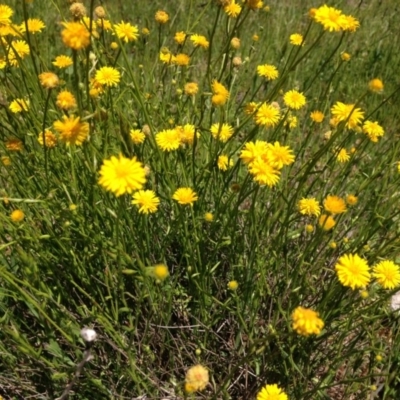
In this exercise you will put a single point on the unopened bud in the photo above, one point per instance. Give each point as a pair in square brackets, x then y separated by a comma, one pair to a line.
[146, 130]
[99, 12]
[235, 43]
[77, 10]
[237, 61]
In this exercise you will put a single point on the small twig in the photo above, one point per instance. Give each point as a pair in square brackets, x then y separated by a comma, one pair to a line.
[175, 327]
[89, 336]
[86, 357]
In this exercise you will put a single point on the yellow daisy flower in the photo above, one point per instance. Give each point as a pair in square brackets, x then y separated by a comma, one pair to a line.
[387, 273]
[222, 132]
[196, 379]
[108, 76]
[126, 32]
[306, 321]
[294, 99]
[122, 175]
[353, 271]
[271, 392]
[146, 201]
[168, 139]
[185, 195]
[75, 35]
[72, 130]
[309, 206]
[62, 61]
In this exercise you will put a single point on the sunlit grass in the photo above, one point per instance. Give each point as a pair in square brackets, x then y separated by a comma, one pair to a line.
[212, 187]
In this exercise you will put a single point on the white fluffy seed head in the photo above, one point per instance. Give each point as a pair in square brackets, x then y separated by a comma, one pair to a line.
[395, 302]
[88, 335]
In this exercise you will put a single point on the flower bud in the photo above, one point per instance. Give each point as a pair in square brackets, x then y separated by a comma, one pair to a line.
[237, 61]
[78, 10]
[99, 12]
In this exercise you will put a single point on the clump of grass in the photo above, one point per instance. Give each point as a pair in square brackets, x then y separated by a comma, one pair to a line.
[212, 191]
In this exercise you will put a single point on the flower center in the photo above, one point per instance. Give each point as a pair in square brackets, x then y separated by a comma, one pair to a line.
[121, 171]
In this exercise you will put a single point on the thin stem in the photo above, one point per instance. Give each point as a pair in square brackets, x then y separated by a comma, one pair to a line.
[76, 78]
[46, 106]
[79, 368]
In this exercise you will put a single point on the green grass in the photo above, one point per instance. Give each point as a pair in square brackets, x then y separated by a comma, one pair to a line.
[62, 269]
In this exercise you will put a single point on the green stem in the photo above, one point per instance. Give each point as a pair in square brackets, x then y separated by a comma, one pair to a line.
[76, 80]
[45, 149]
